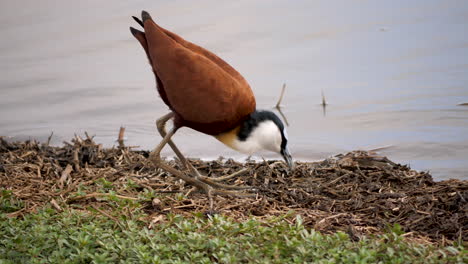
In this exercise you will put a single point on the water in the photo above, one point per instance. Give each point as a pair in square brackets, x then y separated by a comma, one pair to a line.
[393, 73]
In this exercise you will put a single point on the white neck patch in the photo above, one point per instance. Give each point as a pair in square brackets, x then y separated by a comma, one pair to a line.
[265, 136]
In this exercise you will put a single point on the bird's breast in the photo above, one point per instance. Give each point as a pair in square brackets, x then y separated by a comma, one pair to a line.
[231, 140]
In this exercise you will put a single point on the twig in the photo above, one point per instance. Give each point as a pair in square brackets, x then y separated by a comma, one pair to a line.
[16, 213]
[283, 116]
[323, 220]
[78, 139]
[105, 214]
[89, 138]
[371, 151]
[48, 139]
[324, 102]
[54, 203]
[121, 137]
[94, 195]
[179, 207]
[76, 161]
[65, 174]
[278, 104]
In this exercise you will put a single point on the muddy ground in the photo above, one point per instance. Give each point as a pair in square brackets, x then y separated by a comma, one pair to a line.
[359, 193]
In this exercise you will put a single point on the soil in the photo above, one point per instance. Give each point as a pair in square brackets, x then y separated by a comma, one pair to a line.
[359, 193]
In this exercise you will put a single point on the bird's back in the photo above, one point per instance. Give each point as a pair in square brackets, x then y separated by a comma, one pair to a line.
[205, 92]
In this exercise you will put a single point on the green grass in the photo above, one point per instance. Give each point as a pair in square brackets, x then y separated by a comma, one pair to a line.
[87, 236]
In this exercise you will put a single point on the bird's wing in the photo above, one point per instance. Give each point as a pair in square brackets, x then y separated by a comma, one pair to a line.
[208, 54]
[200, 86]
[140, 36]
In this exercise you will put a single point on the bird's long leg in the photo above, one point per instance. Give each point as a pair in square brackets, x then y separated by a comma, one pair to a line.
[208, 188]
[161, 126]
[155, 157]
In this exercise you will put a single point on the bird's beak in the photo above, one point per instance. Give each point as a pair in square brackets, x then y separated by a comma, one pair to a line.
[287, 157]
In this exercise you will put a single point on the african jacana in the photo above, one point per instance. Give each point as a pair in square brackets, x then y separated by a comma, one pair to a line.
[206, 94]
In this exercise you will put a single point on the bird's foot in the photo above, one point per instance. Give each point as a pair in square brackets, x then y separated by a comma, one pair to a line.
[230, 176]
[215, 182]
[212, 189]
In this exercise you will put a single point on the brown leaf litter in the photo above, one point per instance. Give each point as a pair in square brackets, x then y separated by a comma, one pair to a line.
[359, 193]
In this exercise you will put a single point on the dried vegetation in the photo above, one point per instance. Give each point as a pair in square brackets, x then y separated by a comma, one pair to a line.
[359, 193]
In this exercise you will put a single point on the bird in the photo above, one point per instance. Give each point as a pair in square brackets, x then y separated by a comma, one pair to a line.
[206, 94]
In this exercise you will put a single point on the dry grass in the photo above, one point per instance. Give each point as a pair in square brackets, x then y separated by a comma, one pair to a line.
[358, 193]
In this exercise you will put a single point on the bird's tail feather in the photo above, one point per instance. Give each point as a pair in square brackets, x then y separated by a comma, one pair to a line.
[138, 21]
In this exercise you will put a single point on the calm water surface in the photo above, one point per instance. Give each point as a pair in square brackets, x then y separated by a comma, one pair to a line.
[393, 73]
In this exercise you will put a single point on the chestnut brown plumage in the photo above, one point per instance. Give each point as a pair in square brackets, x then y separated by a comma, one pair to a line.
[206, 94]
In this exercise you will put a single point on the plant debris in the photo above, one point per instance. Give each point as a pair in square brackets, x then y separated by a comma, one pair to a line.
[359, 193]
